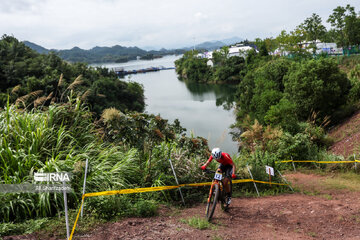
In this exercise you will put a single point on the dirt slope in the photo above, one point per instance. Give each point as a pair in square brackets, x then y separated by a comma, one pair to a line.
[347, 136]
[317, 213]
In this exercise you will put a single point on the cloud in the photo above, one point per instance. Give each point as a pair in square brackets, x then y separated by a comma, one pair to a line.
[162, 23]
[13, 6]
[200, 16]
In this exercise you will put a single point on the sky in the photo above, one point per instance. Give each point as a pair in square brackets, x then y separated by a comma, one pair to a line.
[64, 24]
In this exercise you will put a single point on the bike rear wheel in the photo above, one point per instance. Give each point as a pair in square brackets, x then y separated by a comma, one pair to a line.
[211, 205]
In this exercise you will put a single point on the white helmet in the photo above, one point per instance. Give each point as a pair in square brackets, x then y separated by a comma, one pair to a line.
[216, 153]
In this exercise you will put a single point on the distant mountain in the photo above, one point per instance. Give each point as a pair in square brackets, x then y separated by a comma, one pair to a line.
[119, 53]
[97, 54]
[101, 54]
[36, 47]
[212, 45]
[229, 41]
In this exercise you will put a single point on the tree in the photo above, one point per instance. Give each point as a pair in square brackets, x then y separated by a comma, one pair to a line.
[291, 42]
[262, 88]
[192, 68]
[352, 30]
[219, 57]
[316, 85]
[231, 70]
[32, 79]
[314, 30]
[338, 21]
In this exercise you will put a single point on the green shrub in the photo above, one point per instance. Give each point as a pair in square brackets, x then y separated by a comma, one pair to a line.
[110, 207]
[7, 229]
[316, 86]
[145, 208]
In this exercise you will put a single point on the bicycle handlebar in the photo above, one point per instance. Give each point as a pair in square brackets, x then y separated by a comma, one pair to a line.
[209, 171]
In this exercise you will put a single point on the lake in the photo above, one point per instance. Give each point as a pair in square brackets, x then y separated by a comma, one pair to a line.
[197, 106]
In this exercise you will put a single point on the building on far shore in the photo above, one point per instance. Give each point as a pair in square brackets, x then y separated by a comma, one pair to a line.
[239, 50]
[321, 47]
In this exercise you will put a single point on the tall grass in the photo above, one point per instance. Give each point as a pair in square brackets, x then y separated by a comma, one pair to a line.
[56, 140]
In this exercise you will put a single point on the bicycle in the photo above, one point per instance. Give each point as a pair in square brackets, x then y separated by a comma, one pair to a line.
[217, 193]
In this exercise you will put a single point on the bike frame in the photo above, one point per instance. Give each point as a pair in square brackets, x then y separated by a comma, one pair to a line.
[215, 182]
[216, 194]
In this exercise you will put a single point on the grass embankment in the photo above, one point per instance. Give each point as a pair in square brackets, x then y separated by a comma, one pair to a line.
[348, 63]
[325, 183]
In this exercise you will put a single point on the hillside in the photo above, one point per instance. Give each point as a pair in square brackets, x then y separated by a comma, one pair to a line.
[119, 53]
[115, 53]
[346, 136]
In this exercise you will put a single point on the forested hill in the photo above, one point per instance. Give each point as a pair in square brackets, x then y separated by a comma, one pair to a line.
[115, 53]
[119, 53]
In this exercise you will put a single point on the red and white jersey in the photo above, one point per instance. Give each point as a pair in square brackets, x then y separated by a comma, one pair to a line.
[224, 160]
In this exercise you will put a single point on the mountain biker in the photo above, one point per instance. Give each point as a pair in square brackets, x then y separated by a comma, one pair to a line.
[226, 166]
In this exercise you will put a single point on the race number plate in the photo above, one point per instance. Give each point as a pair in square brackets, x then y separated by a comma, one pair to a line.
[218, 176]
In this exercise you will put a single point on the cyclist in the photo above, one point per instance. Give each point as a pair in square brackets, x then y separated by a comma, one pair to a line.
[226, 166]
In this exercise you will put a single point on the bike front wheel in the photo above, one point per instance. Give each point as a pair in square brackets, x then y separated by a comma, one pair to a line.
[211, 205]
[224, 198]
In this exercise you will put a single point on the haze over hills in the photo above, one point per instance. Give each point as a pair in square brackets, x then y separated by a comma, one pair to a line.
[119, 53]
[212, 45]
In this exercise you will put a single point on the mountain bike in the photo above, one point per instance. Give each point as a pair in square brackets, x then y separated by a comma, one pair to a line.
[217, 193]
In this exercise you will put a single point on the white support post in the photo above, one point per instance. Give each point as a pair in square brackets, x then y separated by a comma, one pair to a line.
[253, 181]
[293, 163]
[355, 161]
[66, 212]
[182, 198]
[285, 180]
[86, 168]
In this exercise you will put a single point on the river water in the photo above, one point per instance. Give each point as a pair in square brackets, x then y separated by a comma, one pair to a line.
[195, 105]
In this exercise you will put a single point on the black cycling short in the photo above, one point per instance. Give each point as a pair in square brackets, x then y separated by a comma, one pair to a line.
[227, 169]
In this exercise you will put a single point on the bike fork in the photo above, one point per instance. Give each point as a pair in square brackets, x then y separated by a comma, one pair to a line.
[211, 192]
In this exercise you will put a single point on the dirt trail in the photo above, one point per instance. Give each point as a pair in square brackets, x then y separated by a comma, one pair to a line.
[319, 214]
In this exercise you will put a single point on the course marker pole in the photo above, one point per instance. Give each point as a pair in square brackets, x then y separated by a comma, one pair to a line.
[182, 198]
[253, 180]
[355, 161]
[86, 168]
[66, 213]
[293, 163]
[285, 180]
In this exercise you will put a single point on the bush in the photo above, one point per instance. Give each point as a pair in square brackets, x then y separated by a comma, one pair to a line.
[191, 68]
[297, 147]
[7, 229]
[316, 86]
[110, 207]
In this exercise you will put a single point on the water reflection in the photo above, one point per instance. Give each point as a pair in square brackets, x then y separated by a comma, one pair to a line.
[199, 107]
[223, 93]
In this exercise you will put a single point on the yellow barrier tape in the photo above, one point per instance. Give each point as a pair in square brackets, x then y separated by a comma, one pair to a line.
[307, 161]
[152, 189]
[242, 180]
[272, 183]
[128, 191]
[77, 218]
[195, 184]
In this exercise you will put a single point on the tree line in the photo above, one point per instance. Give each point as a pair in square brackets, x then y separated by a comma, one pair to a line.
[31, 80]
[344, 31]
[284, 105]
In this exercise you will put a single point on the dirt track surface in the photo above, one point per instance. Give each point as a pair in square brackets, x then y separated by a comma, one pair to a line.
[319, 214]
